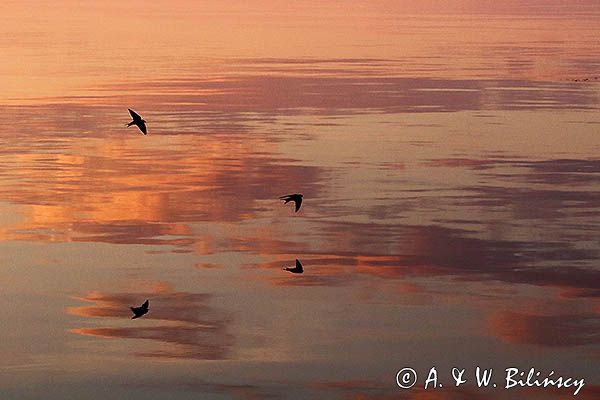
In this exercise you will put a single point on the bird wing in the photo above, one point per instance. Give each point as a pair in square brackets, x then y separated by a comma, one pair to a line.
[145, 305]
[134, 115]
[298, 202]
[286, 197]
[142, 126]
[299, 265]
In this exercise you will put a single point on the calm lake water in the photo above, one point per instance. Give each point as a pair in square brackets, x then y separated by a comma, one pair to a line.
[448, 160]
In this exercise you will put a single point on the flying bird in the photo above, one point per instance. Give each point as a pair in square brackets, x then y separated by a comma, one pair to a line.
[137, 121]
[295, 270]
[140, 311]
[296, 198]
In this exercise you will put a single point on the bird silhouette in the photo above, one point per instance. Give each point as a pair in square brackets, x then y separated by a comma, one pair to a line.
[295, 270]
[296, 198]
[137, 121]
[140, 311]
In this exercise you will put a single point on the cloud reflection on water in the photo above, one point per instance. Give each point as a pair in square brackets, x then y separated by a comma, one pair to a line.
[322, 94]
[195, 330]
[400, 129]
[546, 330]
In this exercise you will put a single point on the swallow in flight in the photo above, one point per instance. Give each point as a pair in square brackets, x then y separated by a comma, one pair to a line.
[140, 311]
[137, 121]
[296, 198]
[295, 270]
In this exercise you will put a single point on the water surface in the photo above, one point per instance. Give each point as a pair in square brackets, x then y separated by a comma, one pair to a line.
[448, 159]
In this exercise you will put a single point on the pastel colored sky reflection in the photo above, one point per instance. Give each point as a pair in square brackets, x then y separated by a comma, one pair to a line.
[447, 152]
